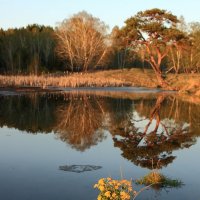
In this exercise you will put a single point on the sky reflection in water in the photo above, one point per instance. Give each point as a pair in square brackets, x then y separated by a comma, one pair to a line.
[115, 132]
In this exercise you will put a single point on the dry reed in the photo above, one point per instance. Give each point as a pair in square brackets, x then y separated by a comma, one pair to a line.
[111, 78]
[60, 81]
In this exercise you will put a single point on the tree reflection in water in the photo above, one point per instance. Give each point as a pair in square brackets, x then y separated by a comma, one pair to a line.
[146, 128]
[154, 132]
[80, 122]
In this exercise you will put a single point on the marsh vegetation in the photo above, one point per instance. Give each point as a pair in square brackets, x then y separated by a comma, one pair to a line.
[152, 39]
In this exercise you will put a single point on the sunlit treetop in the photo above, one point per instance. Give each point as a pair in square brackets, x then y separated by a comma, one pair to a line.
[154, 24]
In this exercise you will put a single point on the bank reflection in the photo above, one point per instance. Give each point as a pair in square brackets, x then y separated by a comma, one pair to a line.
[147, 128]
[81, 121]
[156, 129]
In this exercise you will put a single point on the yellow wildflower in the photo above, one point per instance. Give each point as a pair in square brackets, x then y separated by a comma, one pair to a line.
[116, 187]
[101, 181]
[124, 195]
[99, 198]
[101, 188]
[114, 195]
[107, 194]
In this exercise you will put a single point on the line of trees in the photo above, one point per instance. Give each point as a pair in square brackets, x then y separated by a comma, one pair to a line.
[153, 38]
[27, 50]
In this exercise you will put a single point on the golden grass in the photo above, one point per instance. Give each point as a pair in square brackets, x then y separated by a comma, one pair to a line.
[61, 81]
[155, 178]
[185, 83]
[109, 78]
[152, 178]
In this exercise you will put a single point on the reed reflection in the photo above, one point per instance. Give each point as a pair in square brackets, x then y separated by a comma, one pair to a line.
[148, 129]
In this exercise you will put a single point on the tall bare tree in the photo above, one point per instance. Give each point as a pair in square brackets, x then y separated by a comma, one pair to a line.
[82, 41]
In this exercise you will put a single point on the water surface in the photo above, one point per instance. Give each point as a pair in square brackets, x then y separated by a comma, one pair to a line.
[57, 145]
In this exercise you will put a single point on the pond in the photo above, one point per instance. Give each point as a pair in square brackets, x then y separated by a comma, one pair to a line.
[57, 145]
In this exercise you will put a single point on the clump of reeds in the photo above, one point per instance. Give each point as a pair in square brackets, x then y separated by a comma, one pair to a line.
[155, 178]
[61, 81]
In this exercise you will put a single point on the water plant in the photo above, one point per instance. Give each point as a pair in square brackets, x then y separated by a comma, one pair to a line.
[115, 189]
[157, 179]
[111, 189]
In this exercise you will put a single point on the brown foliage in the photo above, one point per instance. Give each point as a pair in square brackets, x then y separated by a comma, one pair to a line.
[82, 41]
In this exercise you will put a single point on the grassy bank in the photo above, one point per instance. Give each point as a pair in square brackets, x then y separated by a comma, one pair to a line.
[184, 83]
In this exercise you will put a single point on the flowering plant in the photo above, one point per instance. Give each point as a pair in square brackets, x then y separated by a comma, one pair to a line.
[115, 189]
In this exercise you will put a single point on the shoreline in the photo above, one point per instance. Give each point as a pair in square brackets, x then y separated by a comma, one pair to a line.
[117, 80]
[130, 89]
[115, 92]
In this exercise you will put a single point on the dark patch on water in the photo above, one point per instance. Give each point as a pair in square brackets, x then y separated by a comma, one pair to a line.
[79, 168]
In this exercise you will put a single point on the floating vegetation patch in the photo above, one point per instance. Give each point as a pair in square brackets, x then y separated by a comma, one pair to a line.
[79, 168]
[157, 179]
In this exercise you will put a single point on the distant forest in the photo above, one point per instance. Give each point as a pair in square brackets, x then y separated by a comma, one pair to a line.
[83, 43]
[28, 50]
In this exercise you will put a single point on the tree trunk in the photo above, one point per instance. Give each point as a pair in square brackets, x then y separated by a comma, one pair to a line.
[161, 81]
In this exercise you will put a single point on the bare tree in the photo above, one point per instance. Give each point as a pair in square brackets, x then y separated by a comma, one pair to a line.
[82, 41]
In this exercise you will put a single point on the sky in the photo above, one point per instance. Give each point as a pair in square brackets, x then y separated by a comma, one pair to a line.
[18, 13]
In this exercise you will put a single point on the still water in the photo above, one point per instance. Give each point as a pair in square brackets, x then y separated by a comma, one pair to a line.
[58, 145]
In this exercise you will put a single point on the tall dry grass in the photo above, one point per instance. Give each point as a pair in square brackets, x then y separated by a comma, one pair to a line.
[109, 78]
[185, 83]
[60, 81]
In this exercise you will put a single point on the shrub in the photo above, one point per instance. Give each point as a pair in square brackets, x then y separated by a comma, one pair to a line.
[115, 189]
